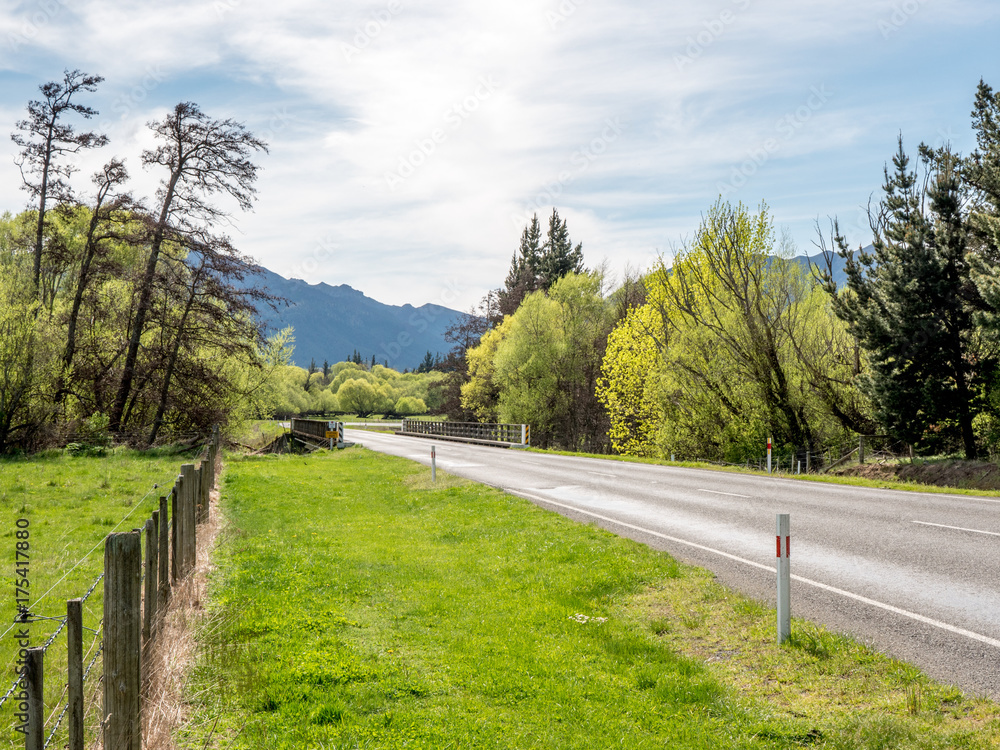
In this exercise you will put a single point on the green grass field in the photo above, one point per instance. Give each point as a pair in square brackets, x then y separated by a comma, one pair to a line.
[71, 503]
[356, 605]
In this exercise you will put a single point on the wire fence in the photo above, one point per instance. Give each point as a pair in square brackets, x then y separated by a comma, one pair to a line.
[872, 449]
[48, 698]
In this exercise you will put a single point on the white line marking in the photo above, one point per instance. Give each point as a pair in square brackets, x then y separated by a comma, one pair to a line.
[956, 528]
[833, 590]
[602, 474]
[730, 494]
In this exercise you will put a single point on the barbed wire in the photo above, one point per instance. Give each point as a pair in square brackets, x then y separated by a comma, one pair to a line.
[100, 648]
[62, 715]
[91, 589]
[52, 637]
[11, 691]
[94, 549]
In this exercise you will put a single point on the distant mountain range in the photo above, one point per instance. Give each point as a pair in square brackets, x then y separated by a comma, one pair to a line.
[332, 322]
[817, 261]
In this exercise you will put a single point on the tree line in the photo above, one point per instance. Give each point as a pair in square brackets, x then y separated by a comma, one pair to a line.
[135, 315]
[734, 341]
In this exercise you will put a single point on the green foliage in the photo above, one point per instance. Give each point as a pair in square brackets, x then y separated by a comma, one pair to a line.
[409, 405]
[733, 344]
[540, 366]
[362, 398]
[630, 384]
[908, 303]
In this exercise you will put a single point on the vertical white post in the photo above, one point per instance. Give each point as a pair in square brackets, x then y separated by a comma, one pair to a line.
[769, 455]
[671, 457]
[433, 463]
[784, 579]
[798, 469]
[524, 434]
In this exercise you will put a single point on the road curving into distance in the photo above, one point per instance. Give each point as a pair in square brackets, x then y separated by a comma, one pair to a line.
[916, 575]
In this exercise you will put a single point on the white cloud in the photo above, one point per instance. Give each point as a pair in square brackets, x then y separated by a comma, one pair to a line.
[352, 95]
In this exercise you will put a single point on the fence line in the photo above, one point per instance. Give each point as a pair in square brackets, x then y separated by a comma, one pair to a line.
[867, 448]
[133, 611]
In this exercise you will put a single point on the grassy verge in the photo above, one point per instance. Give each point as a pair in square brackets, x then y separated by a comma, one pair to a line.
[70, 503]
[883, 483]
[356, 605]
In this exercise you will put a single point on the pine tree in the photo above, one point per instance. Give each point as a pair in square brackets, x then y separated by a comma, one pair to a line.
[522, 278]
[558, 256]
[908, 302]
[537, 265]
[427, 364]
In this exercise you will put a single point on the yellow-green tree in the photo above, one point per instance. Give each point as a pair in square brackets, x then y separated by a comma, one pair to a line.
[541, 365]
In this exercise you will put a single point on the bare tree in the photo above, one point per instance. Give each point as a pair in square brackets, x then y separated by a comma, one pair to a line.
[203, 157]
[109, 208]
[217, 310]
[43, 139]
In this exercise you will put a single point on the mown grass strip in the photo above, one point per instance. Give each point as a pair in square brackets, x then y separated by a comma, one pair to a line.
[878, 484]
[356, 605]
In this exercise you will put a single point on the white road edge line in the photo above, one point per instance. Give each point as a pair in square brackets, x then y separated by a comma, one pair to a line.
[833, 590]
[602, 474]
[730, 494]
[955, 528]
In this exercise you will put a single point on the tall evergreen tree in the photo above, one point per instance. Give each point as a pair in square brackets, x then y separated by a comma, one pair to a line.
[538, 265]
[559, 257]
[522, 278]
[909, 302]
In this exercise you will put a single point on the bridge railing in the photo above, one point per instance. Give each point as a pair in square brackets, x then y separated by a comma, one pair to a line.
[319, 429]
[512, 434]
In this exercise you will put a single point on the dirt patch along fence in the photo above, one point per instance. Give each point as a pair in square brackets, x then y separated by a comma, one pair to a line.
[141, 569]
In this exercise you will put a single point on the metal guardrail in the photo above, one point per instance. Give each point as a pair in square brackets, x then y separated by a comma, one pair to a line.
[511, 434]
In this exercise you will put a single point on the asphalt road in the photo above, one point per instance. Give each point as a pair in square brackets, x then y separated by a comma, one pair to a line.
[914, 575]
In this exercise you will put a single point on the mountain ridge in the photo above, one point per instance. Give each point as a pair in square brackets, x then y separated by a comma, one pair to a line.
[332, 322]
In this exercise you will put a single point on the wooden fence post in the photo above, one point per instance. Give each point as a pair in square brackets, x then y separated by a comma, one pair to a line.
[34, 676]
[152, 569]
[74, 681]
[163, 558]
[188, 485]
[175, 568]
[200, 480]
[122, 630]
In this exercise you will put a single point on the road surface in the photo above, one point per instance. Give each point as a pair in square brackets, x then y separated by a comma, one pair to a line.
[915, 575]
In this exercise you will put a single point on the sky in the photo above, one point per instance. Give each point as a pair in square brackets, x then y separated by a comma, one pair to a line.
[410, 142]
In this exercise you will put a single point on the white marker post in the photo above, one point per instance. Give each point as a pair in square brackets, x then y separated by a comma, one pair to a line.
[769, 455]
[433, 463]
[784, 579]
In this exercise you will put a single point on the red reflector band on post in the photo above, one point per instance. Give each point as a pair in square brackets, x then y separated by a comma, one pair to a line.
[788, 545]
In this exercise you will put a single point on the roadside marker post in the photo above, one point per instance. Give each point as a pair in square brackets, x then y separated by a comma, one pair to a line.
[769, 455]
[433, 463]
[783, 539]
